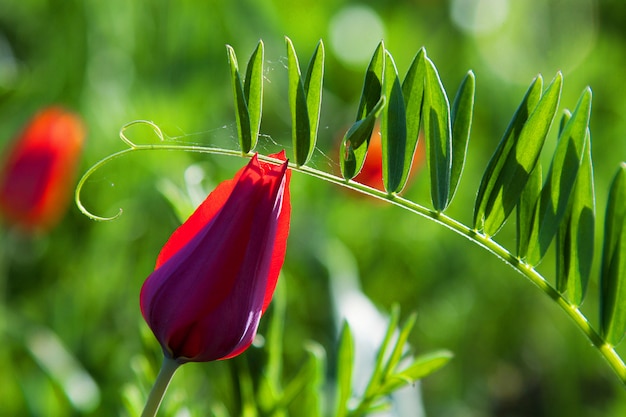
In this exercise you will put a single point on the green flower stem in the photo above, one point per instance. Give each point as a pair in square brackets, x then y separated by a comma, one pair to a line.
[168, 368]
[607, 351]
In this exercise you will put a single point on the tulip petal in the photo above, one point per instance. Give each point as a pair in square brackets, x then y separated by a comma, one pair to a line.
[216, 275]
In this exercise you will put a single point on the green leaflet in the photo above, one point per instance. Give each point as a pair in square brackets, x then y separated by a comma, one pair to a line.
[305, 101]
[413, 92]
[560, 180]
[393, 130]
[248, 96]
[516, 156]
[351, 150]
[613, 277]
[461, 113]
[352, 154]
[576, 235]
[398, 349]
[345, 363]
[526, 209]
[421, 367]
[438, 136]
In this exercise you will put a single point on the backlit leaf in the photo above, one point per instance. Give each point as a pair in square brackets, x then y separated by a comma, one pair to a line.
[613, 278]
[393, 129]
[421, 367]
[345, 363]
[253, 91]
[461, 114]
[576, 235]
[241, 106]
[356, 140]
[313, 86]
[413, 92]
[438, 136]
[300, 124]
[526, 209]
[516, 156]
[352, 154]
[560, 180]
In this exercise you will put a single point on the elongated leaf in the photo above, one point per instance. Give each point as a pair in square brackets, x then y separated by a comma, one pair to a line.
[421, 367]
[241, 106]
[356, 140]
[438, 136]
[413, 92]
[613, 278]
[313, 85]
[345, 363]
[398, 349]
[497, 162]
[461, 113]
[526, 209]
[306, 385]
[379, 366]
[516, 156]
[576, 236]
[560, 180]
[253, 91]
[393, 129]
[300, 124]
[352, 154]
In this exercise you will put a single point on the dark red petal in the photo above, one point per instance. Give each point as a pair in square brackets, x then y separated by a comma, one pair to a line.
[201, 216]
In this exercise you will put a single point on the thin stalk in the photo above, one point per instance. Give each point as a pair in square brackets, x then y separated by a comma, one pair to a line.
[168, 368]
[607, 351]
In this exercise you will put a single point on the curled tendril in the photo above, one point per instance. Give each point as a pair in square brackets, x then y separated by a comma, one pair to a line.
[134, 147]
[130, 143]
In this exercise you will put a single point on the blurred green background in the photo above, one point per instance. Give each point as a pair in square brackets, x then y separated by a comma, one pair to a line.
[72, 341]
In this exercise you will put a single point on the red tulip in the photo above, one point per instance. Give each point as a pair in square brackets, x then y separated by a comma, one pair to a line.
[216, 275]
[36, 178]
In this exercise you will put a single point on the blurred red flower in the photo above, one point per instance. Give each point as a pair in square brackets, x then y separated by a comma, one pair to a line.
[216, 275]
[372, 172]
[38, 170]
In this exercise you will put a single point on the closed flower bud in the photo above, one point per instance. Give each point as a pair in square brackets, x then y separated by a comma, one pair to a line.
[216, 275]
[38, 170]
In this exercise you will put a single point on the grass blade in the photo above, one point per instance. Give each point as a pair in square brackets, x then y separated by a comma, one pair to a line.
[393, 129]
[438, 136]
[345, 363]
[613, 278]
[421, 367]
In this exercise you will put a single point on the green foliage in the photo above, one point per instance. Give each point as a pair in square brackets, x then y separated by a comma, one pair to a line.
[554, 198]
[248, 96]
[352, 152]
[613, 279]
[393, 129]
[389, 373]
[305, 100]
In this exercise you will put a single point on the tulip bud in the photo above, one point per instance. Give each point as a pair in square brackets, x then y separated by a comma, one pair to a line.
[38, 170]
[216, 275]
